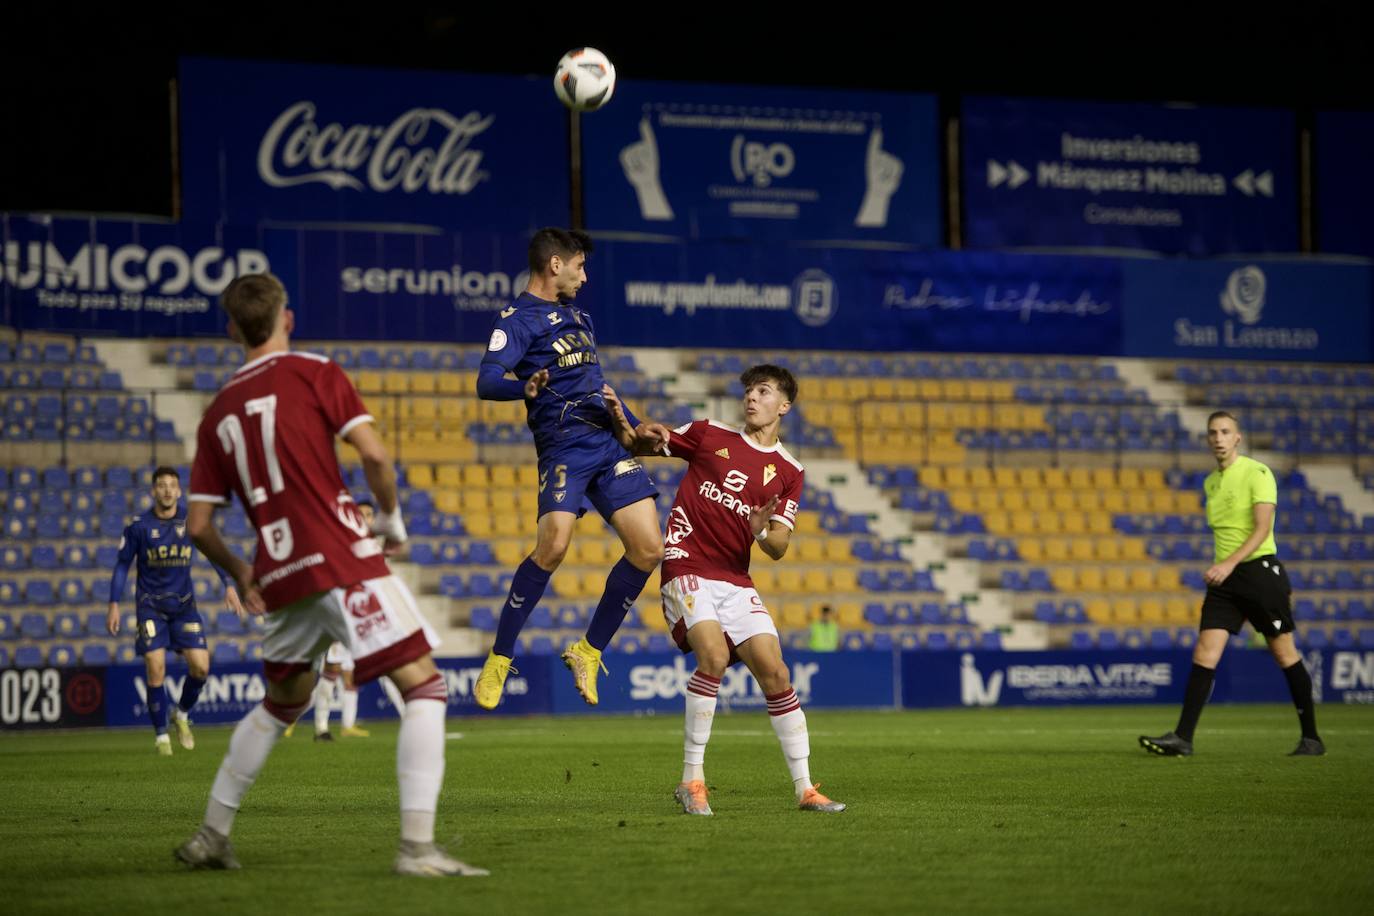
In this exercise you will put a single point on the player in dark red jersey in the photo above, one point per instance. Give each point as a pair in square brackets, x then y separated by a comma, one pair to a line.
[741, 487]
[268, 437]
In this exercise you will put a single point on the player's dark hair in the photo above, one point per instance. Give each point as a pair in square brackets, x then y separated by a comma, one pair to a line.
[1223, 415]
[770, 373]
[164, 471]
[365, 501]
[549, 241]
[253, 303]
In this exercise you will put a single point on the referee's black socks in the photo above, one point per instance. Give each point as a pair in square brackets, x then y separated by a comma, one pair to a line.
[1195, 697]
[1300, 686]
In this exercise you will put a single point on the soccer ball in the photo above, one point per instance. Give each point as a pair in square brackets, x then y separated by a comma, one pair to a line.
[584, 80]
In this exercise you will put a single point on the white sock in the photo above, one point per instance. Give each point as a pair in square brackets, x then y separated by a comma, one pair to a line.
[789, 724]
[324, 692]
[253, 739]
[350, 708]
[699, 714]
[420, 759]
[393, 695]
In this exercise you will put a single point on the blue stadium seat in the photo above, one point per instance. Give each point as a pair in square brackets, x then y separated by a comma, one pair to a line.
[991, 640]
[227, 623]
[451, 553]
[484, 619]
[96, 654]
[12, 558]
[541, 618]
[62, 655]
[10, 593]
[938, 641]
[44, 556]
[1108, 639]
[24, 477]
[882, 642]
[540, 645]
[29, 657]
[852, 641]
[71, 591]
[126, 654]
[480, 554]
[40, 593]
[451, 585]
[1081, 639]
[34, 626]
[8, 630]
[4, 657]
[226, 653]
[119, 477]
[253, 651]
[95, 624]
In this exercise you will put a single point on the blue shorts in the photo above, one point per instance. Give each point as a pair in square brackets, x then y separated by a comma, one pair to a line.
[170, 624]
[593, 471]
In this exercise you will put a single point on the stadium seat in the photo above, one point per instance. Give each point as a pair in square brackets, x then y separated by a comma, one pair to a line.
[226, 653]
[29, 657]
[62, 655]
[126, 654]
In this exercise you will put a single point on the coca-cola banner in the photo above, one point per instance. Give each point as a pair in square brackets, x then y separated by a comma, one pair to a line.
[270, 142]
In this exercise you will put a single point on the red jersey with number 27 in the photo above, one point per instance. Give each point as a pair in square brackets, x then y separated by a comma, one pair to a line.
[727, 475]
[268, 437]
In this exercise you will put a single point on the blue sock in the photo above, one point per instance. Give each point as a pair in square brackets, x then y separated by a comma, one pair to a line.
[190, 692]
[157, 707]
[623, 586]
[525, 591]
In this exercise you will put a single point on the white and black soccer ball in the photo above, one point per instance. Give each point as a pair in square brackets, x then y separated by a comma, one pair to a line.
[584, 80]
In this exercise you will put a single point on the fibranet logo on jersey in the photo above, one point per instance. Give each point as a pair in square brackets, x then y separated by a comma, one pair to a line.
[129, 278]
[715, 494]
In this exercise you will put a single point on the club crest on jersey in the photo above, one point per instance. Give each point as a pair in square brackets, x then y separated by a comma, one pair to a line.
[628, 466]
[181, 531]
[507, 312]
[554, 318]
[155, 534]
[362, 602]
[769, 472]
[723, 453]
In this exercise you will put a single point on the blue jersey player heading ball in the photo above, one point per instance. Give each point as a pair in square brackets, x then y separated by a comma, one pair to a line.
[167, 615]
[548, 345]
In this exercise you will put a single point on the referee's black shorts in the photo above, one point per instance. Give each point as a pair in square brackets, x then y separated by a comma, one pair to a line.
[1258, 591]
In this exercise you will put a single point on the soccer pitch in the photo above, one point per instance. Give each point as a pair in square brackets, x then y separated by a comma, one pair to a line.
[970, 811]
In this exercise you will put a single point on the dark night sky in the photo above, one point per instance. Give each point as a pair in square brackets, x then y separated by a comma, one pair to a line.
[84, 95]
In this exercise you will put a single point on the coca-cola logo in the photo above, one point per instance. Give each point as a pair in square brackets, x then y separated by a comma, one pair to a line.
[424, 149]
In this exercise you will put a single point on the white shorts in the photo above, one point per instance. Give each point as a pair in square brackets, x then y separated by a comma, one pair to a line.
[690, 599]
[377, 621]
[338, 654]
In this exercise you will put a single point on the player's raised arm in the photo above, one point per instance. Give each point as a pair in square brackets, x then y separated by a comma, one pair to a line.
[639, 438]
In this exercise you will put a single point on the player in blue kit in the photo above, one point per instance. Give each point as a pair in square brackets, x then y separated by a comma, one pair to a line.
[549, 346]
[167, 614]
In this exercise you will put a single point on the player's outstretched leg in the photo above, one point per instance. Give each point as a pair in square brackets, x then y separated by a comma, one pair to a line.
[526, 588]
[198, 660]
[253, 739]
[349, 716]
[420, 772]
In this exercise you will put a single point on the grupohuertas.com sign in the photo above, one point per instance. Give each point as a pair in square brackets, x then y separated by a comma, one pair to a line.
[1255, 310]
[298, 143]
[1164, 178]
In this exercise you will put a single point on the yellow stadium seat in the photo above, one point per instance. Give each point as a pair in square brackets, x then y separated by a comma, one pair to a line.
[593, 582]
[1139, 501]
[1132, 549]
[1152, 611]
[884, 388]
[1114, 501]
[962, 500]
[1179, 610]
[1056, 550]
[956, 478]
[794, 615]
[1056, 479]
[986, 500]
[424, 383]
[447, 501]
[954, 389]
[1038, 500]
[815, 582]
[420, 408]
[837, 550]
[1125, 611]
[1152, 479]
[980, 478]
[1025, 524]
[765, 580]
[1142, 579]
[789, 581]
[1090, 579]
[1080, 478]
[502, 500]
[370, 383]
[1167, 579]
[1062, 500]
[526, 475]
[933, 478]
[509, 526]
[1083, 550]
[1065, 579]
[1129, 478]
[1099, 523]
[1106, 549]
[395, 383]
[1005, 478]
[510, 553]
[420, 476]
[1088, 500]
[907, 389]
[448, 476]
[809, 523]
[1032, 550]
[1104, 478]
[472, 500]
[475, 475]
[1014, 500]
[1115, 579]
[1099, 610]
[999, 523]
[844, 580]
[810, 550]
[479, 526]
[929, 389]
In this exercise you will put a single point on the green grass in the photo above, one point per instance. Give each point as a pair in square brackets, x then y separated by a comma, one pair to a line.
[982, 811]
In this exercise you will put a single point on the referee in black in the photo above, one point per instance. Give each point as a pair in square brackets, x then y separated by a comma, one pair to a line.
[1246, 582]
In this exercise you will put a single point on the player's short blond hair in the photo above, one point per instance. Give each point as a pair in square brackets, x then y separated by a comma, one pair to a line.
[253, 303]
